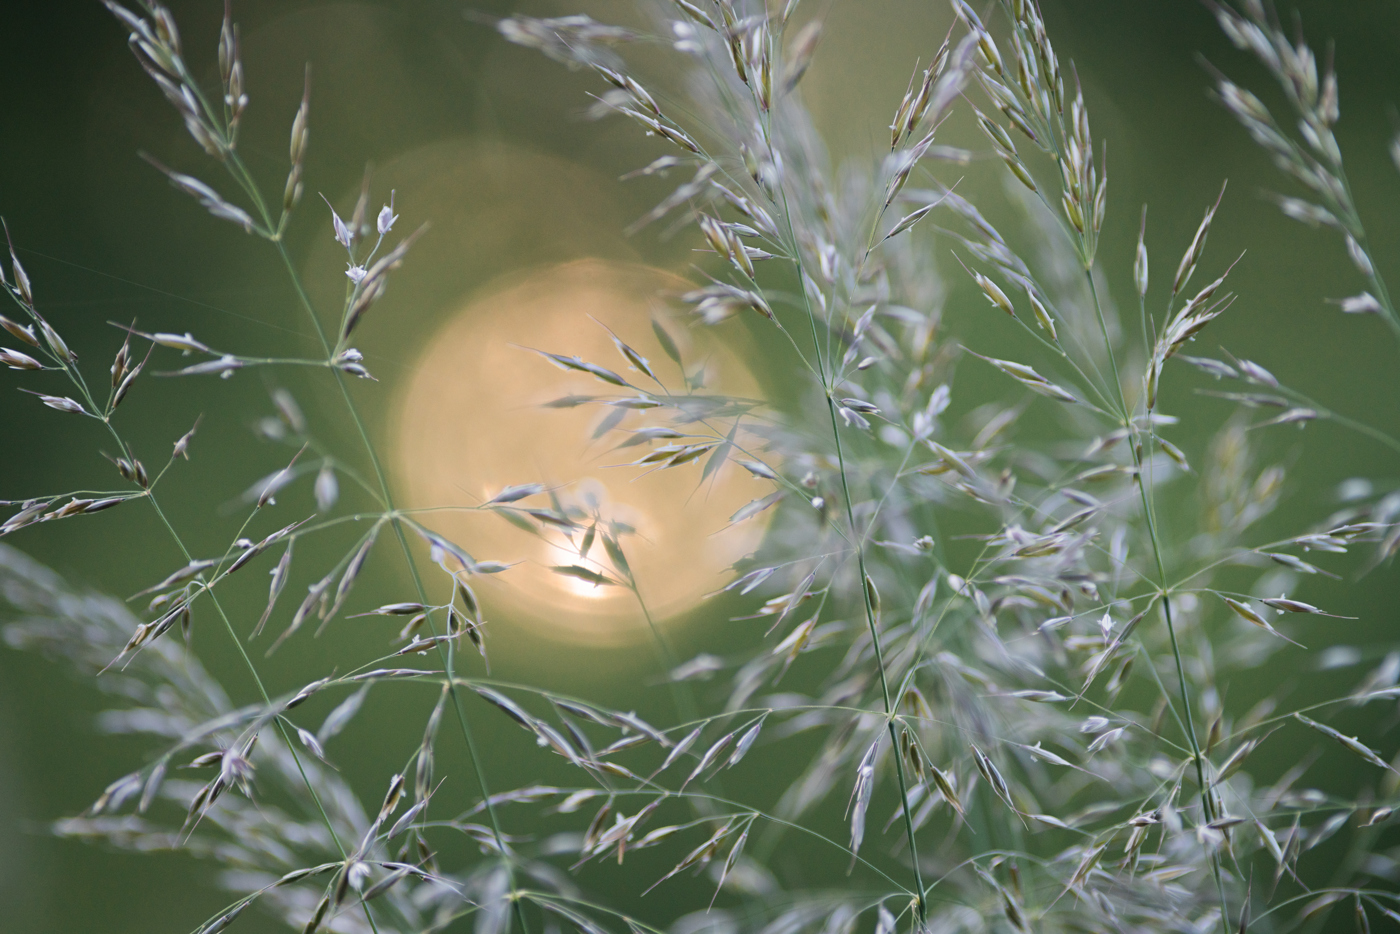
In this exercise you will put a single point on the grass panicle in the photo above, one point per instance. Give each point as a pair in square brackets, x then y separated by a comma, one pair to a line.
[1002, 622]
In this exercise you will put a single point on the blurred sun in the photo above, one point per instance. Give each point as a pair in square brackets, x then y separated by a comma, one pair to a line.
[474, 419]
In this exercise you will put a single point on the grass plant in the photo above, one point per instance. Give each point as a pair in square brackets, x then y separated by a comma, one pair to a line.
[1006, 637]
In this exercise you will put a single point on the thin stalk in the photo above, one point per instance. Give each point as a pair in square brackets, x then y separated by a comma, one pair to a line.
[1149, 514]
[1375, 278]
[685, 704]
[245, 180]
[446, 655]
[1327, 414]
[262, 689]
[879, 662]
[257, 679]
[149, 495]
[860, 562]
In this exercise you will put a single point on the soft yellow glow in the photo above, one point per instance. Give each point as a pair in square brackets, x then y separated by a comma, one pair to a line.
[472, 421]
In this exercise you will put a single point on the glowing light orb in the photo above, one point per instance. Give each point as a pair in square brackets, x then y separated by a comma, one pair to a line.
[474, 418]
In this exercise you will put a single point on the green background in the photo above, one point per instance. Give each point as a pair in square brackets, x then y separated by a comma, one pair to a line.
[407, 85]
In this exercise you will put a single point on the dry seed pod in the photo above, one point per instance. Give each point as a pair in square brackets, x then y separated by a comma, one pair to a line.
[595, 828]
[279, 580]
[1140, 261]
[1360, 258]
[679, 749]
[61, 403]
[799, 54]
[1100, 202]
[1236, 759]
[28, 515]
[22, 288]
[228, 45]
[120, 361]
[756, 48]
[385, 220]
[231, 70]
[56, 344]
[424, 772]
[709, 758]
[318, 915]
[909, 750]
[166, 32]
[224, 367]
[992, 291]
[1296, 416]
[352, 571]
[1042, 314]
[745, 742]
[902, 163]
[1350, 742]
[314, 595]
[183, 444]
[741, 256]
[185, 343]
[910, 219]
[1030, 379]
[733, 856]
[1175, 453]
[394, 609]
[900, 126]
[277, 481]
[71, 508]
[1073, 212]
[923, 101]
[136, 24]
[128, 380]
[388, 882]
[326, 489]
[697, 15]
[300, 135]
[208, 198]
[1086, 865]
[476, 634]
[626, 83]
[20, 332]
[1018, 169]
[1213, 736]
[1247, 613]
[288, 409]
[993, 776]
[392, 797]
[1187, 266]
[189, 571]
[372, 285]
[716, 236]
[872, 598]
[861, 794]
[1285, 605]
[468, 598]
[994, 132]
[18, 361]
[701, 855]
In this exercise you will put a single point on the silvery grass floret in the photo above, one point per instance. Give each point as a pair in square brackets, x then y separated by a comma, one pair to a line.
[1039, 721]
